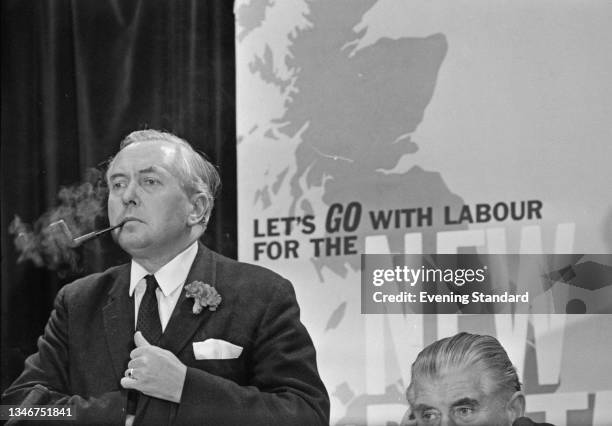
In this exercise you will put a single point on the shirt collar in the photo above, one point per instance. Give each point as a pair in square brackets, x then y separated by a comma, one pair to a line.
[170, 276]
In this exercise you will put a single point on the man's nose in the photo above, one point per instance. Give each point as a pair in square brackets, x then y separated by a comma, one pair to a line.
[130, 195]
[446, 421]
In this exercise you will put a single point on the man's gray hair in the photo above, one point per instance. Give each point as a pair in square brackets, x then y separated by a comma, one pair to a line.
[196, 174]
[464, 350]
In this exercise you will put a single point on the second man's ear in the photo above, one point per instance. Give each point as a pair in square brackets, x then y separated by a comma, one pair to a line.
[200, 206]
[516, 405]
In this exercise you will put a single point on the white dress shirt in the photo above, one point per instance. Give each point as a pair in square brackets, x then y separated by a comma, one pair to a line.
[171, 279]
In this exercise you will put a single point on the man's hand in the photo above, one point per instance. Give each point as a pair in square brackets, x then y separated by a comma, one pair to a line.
[155, 371]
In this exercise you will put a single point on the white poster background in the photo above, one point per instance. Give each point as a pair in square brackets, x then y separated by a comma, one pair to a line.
[520, 109]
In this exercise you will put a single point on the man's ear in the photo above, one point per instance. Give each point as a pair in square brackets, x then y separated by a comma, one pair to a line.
[199, 209]
[516, 405]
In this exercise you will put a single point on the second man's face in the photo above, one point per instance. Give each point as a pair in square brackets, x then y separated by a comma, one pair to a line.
[458, 398]
[146, 193]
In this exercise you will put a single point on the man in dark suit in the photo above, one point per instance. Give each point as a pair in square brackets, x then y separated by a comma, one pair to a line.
[218, 342]
[466, 379]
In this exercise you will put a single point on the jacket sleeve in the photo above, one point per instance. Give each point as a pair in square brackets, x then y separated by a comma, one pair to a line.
[284, 387]
[46, 379]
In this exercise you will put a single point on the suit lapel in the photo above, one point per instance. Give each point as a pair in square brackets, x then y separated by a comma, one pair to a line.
[184, 323]
[119, 322]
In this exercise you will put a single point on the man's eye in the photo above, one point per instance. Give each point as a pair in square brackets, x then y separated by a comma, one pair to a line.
[464, 412]
[150, 181]
[118, 185]
[429, 416]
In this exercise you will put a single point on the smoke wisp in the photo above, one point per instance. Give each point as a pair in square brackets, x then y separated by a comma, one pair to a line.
[82, 207]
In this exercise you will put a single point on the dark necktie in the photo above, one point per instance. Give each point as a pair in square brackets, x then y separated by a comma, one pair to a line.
[148, 315]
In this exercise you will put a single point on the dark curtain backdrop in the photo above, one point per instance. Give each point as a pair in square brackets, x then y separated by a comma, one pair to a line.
[79, 75]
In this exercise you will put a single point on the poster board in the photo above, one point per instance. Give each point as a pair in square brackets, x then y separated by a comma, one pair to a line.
[371, 126]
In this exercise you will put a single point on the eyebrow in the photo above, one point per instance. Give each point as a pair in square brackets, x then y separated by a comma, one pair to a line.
[151, 169]
[466, 401]
[116, 175]
[423, 407]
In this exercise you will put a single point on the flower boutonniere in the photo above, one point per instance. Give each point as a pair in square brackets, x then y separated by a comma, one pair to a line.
[204, 295]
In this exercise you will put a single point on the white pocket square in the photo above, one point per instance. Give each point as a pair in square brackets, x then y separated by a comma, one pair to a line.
[216, 349]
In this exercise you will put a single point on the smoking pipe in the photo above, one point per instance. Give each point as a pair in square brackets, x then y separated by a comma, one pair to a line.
[75, 242]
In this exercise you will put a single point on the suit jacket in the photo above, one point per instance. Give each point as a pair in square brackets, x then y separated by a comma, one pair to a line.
[525, 421]
[86, 346]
